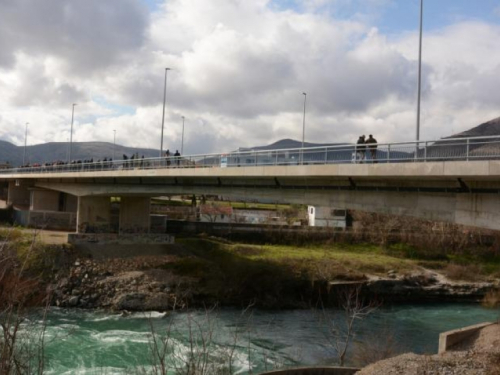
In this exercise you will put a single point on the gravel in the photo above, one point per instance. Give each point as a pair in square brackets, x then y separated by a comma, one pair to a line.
[479, 355]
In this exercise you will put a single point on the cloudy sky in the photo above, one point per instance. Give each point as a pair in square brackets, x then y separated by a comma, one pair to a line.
[239, 68]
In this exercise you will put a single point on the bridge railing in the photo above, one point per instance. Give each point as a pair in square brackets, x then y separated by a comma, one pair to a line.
[466, 149]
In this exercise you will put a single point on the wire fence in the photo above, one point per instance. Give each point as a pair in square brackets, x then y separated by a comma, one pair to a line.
[451, 149]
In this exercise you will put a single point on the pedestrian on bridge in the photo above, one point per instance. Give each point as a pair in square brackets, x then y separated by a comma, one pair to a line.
[167, 156]
[177, 157]
[372, 146]
[361, 148]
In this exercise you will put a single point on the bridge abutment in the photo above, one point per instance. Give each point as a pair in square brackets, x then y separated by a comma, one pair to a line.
[94, 214]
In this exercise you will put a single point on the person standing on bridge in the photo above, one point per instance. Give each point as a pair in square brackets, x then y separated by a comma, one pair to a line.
[167, 156]
[372, 146]
[177, 157]
[361, 148]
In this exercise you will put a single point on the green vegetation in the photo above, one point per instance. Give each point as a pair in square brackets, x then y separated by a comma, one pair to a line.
[335, 261]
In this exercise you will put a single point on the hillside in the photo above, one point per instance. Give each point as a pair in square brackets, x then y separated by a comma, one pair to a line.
[489, 128]
[53, 151]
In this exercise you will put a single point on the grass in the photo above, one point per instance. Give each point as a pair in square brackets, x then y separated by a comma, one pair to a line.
[340, 260]
[349, 258]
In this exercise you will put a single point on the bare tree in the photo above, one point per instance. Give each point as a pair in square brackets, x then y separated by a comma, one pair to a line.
[354, 308]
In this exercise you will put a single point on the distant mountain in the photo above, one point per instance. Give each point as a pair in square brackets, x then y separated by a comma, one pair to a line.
[489, 128]
[53, 151]
[287, 143]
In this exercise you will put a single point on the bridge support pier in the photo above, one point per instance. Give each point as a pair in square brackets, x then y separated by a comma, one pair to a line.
[134, 215]
[18, 194]
[94, 214]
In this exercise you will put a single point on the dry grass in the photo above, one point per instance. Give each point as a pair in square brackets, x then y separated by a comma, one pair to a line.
[471, 272]
[492, 299]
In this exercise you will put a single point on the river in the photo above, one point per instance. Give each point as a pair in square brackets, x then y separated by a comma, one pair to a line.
[90, 343]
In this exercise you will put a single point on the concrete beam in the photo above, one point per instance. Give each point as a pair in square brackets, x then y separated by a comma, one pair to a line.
[428, 170]
[134, 215]
[94, 214]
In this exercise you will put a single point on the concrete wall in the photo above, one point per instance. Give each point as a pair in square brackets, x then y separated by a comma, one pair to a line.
[70, 203]
[134, 214]
[93, 214]
[18, 194]
[46, 219]
[44, 200]
[450, 338]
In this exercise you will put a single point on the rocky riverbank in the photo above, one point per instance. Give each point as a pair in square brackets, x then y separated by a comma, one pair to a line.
[152, 283]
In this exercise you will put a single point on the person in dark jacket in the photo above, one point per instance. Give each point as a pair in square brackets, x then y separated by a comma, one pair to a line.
[177, 157]
[372, 146]
[361, 148]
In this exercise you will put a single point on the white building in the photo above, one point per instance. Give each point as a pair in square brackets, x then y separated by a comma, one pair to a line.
[326, 217]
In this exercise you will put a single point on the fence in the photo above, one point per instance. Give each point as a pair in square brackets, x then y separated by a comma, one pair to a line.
[451, 149]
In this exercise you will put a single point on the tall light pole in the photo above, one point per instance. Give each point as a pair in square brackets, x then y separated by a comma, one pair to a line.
[303, 127]
[71, 133]
[25, 143]
[182, 142]
[163, 113]
[114, 143]
[420, 68]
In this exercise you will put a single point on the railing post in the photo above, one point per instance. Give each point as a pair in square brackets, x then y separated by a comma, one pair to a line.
[355, 154]
[425, 151]
[467, 153]
[326, 155]
[255, 153]
[388, 153]
[276, 162]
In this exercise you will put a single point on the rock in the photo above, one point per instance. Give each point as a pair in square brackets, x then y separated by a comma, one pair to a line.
[133, 301]
[77, 263]
[73, 301]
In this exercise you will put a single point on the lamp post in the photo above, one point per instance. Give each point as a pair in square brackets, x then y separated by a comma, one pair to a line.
[419, 69]
[114, 143]
[163, 113]
[182, 141]
[25, 143]
[71, 133]
[303, 128]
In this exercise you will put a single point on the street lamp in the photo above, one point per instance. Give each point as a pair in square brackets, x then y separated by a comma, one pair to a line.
[114, 143]
[182, 142]
[25, 143]
[420, 68]
[71, 133]
[163, 113]
[303, 127]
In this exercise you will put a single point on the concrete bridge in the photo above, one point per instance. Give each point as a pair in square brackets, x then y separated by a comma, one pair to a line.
[462, 188]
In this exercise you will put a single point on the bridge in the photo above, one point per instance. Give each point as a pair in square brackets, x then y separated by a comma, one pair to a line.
[455, 180]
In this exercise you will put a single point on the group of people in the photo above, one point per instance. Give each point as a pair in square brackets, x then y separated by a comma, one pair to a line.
[362, 144]
[177, 158]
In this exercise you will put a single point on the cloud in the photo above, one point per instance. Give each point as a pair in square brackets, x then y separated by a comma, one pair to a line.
[238, 72]
[86, 35]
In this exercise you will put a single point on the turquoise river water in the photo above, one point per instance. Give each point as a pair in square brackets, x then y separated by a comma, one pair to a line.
[84, 342]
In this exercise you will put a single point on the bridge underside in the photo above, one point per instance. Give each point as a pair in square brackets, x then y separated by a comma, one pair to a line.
[472, 202]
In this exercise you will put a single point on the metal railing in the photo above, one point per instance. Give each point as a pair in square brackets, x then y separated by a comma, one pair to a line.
[452, 149]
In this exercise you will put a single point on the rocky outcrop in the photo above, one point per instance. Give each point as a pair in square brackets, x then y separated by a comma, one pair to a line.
[426, 287]
[112, 285]
[148, 283]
